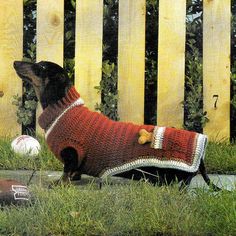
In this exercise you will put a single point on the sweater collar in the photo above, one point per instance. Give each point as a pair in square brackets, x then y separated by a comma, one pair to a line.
[53, 112]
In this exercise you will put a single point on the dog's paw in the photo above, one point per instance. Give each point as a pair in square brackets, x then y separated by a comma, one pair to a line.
[64, 180]
[54, 184]
[75, 176]
[57, 183]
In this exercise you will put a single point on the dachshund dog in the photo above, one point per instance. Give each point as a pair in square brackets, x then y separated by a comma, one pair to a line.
[94, 145]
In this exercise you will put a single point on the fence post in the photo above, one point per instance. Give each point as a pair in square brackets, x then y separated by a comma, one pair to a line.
[131, 60]
[216, 67]
[50, 35]
[171, 62]
[88, 49]
[11, 44]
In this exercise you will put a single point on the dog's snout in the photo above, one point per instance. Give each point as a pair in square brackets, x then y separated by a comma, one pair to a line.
[15, 64]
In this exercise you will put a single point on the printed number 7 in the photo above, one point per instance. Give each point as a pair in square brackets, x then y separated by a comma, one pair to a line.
[216, 97]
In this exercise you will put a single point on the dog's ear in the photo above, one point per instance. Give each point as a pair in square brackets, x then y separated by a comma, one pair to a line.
[62, 77]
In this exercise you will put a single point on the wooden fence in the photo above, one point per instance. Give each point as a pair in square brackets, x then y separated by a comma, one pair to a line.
[131, 57]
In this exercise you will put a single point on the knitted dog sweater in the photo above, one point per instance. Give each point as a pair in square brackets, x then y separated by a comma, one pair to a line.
[106, 147]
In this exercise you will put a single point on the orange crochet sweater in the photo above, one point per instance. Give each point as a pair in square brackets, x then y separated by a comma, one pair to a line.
[108, 147]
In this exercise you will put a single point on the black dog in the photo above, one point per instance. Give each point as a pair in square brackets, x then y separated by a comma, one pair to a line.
[51, 84]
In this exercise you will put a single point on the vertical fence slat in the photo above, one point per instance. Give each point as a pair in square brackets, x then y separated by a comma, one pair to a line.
[216, 67]
[131, 60]
[88, 49]
[11, 43]
[50, 30]
[171, 62]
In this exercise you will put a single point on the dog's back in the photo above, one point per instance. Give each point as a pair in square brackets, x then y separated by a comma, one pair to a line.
[101, 143]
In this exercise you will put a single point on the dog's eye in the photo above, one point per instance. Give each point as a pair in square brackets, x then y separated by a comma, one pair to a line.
[40, 71]
[43, 67]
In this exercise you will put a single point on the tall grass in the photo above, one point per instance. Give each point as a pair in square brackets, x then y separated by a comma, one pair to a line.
[221, 158]
[135, 209]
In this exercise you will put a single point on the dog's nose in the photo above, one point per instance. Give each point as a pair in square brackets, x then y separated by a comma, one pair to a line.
[16, 63]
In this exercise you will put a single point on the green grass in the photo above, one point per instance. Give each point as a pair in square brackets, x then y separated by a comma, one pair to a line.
[136, 209]
[11, 161]
[221, 158]
[129, 209]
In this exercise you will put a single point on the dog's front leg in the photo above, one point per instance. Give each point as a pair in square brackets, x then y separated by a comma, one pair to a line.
[71, 167]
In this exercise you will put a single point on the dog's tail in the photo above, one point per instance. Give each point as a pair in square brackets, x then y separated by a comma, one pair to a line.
[206, 178]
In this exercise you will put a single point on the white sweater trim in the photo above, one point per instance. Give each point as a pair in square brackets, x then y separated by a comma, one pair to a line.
[198, 155]
[78, 102]
[158, 135]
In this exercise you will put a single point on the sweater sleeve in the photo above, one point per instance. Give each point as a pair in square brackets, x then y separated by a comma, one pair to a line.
[68, 144]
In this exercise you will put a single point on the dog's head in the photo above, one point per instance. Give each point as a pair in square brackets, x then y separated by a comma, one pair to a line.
[49, 80]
